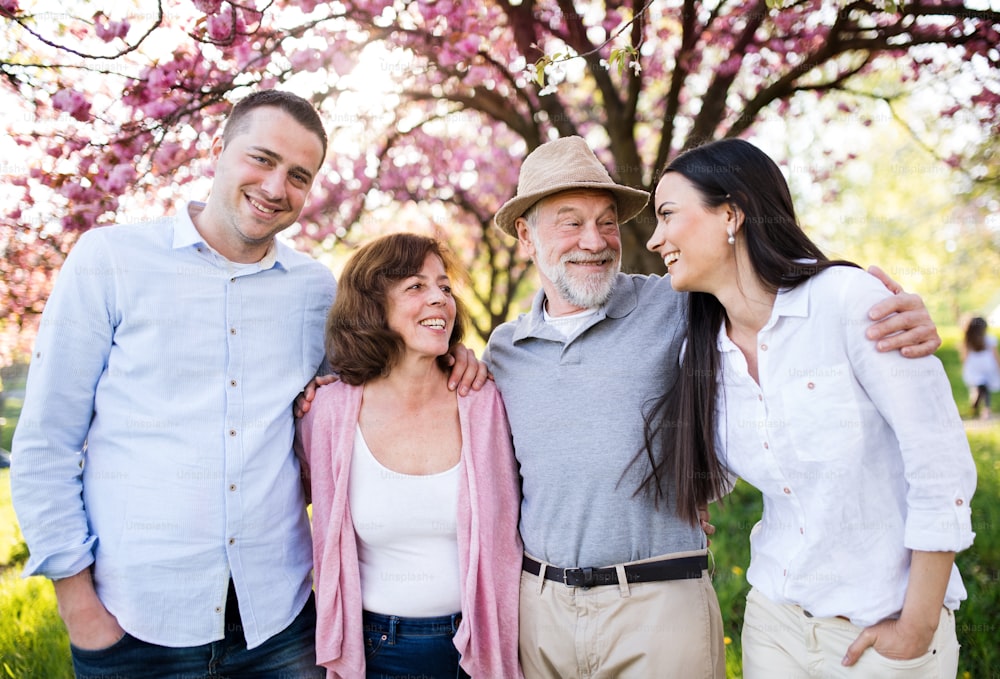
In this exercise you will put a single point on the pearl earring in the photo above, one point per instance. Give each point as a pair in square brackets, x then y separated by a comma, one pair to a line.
[732, 239]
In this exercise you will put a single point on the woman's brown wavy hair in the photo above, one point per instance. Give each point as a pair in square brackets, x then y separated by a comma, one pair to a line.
[359, 343]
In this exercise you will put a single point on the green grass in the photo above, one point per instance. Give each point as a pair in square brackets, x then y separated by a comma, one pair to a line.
[33, 641]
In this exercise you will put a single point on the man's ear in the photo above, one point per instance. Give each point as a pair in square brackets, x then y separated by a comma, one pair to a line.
[524, 236]
[217, 145]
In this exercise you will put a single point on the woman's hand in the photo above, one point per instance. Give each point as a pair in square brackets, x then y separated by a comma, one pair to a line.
[912, 634]
[892, 639]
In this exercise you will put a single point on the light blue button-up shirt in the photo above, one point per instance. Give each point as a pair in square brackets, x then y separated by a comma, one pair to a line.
[156, 436]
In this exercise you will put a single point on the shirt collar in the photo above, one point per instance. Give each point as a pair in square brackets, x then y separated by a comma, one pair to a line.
[623, 301]
[788, 302]
[186, 234]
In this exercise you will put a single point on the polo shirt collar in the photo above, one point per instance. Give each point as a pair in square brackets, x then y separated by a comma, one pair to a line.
[623, 301]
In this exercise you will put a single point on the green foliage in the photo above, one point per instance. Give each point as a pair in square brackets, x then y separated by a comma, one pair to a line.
[978, 620]
[731, 549]
[33, 641]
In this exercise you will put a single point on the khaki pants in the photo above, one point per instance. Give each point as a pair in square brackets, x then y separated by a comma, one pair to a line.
[648, 630]
[780, 640]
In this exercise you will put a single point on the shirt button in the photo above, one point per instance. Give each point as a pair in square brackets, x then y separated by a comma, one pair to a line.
[766, 446]
[232, 486]
[233, 279]
[802, 531]
[959, 502]
[787, 490]
[810, 386]
[232, 383]
[232, 541]
[232, 432]
[218, 609]
[232, 331]
[763, 347]
[760, 397]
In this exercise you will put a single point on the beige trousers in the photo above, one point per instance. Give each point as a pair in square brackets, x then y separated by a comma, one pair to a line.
[649, 630]
[780, 640]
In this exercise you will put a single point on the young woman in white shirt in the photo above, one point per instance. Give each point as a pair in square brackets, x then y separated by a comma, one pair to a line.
[861, 456]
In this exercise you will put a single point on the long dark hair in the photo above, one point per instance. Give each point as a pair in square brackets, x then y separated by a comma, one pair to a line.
[681, 423]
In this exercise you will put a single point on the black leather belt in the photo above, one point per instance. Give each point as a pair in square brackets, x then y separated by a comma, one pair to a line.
[685, 568]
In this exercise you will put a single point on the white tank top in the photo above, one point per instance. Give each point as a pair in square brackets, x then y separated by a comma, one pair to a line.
[407, 537]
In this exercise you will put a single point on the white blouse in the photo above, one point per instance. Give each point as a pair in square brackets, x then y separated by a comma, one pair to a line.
[861, 456]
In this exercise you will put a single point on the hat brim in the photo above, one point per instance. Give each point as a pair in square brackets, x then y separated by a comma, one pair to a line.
[630, 202]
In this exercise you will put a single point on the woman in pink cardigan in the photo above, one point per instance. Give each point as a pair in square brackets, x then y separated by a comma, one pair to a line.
[414, 488]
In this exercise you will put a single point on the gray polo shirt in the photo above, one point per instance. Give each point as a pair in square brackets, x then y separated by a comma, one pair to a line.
[575, 409]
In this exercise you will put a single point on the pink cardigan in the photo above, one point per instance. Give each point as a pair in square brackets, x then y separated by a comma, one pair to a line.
[489, 547]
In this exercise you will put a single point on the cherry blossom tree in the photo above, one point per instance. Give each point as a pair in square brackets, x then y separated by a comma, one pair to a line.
[431, 104]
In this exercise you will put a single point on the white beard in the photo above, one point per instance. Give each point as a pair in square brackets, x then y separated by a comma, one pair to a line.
[587, 291]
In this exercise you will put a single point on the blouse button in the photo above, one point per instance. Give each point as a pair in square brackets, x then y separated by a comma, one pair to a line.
[787, 490]
[763, 347]
[959, 502]
[811, 385]
[766, 446]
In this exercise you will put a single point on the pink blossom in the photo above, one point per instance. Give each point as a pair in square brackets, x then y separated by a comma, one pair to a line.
[109, 30]
[162, 77]
[469, 44]
[9, 7]
[72, 102]
[731, 65]
[343, 61]
[612, 20]
[220, 28]
[208, 6]
[159, 108]
[118, 179]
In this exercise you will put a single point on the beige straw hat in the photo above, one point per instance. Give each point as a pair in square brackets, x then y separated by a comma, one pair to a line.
[561, 165]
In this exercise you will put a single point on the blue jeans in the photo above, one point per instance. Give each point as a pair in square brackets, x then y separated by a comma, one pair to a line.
[398, 647]
[290, 654]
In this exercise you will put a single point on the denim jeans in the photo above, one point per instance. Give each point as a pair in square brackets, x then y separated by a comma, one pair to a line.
[290, 654]
[411, 648]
